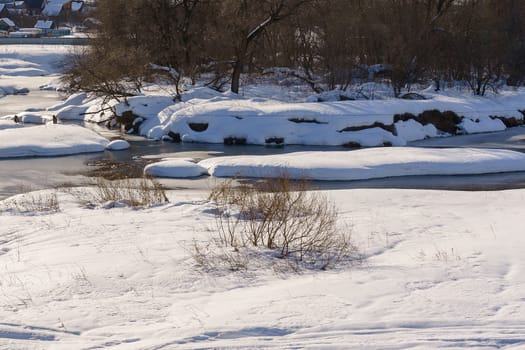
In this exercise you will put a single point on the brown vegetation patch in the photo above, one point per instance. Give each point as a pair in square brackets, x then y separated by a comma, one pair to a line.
[351, 144]
[389, 128]
[198, 127]
[234, 140]
[444, 121]
[303, 120]
[509, 122]
[140, 192]
[274, 218]
[404, 117]
[112, 170]
[126, 120]
[274, 140]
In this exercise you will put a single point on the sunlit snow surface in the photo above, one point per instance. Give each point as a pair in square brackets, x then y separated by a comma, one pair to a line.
[441, 270]
[349, 165]
[49, 140]
[259, 121]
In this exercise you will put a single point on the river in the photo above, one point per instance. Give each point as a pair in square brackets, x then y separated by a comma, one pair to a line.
[20, 175]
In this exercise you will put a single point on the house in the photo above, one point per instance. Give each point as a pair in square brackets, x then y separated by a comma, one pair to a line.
[44, 26]
[49, 28]
[7, 25]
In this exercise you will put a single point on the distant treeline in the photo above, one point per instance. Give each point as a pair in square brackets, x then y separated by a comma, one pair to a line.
[328, 44]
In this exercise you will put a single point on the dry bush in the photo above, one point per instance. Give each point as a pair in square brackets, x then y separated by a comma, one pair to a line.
[215, 256]
[133, 192]
[284, 217]
[33, 202]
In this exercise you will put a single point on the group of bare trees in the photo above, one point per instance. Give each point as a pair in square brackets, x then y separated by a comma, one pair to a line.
[327, 43]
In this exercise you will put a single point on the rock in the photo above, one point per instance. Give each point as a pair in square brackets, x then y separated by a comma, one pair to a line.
[274, 140]
[234, 140]
[175, 136]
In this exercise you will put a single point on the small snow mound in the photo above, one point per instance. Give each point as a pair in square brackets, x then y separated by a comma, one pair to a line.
[118, 145]
[50, 140]
[481, 124]
[412, 130]
[175, 168]
[116, 204]
[9, 124]
[31, 117]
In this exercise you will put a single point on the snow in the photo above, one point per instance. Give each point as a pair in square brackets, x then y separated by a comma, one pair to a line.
[118, 145]
[412, 130]
[8, 124]
[49, 140]
[176, 168]
[482, 124]
[368, 163]
[259, 120]
[31, 60]
[262, 121]
[442, 270]
[31, 117]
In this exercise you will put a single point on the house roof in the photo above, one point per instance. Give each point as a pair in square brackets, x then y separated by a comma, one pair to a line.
[52, 9]
[40, 24]
[2, 7]
[76, 5]
[7, 21]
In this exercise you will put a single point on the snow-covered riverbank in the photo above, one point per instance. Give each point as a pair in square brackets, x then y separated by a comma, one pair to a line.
[208, 116]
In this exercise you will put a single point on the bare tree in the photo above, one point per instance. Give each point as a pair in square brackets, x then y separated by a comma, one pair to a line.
[243, 22]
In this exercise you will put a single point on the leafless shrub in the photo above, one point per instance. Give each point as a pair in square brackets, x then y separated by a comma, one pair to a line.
[133, 192]
[215, 256]
[32, 202]
[282, 217]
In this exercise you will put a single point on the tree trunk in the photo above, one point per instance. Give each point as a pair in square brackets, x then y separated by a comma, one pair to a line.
[236, 75]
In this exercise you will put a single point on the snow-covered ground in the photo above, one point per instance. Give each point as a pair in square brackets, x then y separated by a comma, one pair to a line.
[49, 140]
[442, 270]
[32, 67]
